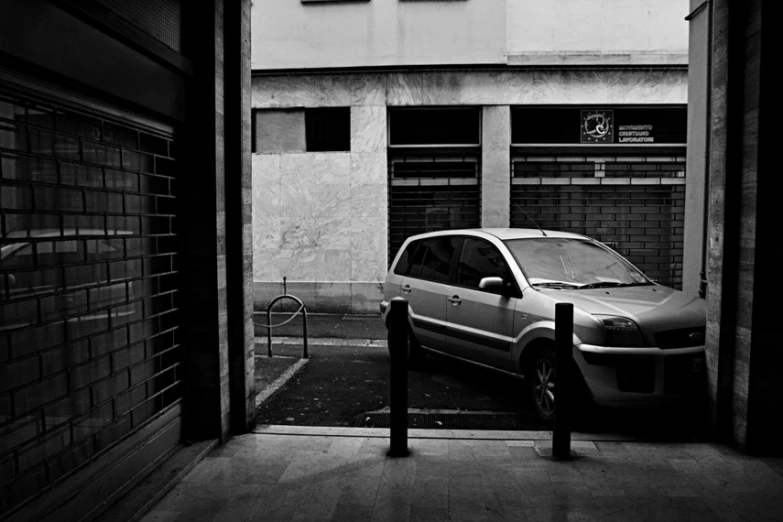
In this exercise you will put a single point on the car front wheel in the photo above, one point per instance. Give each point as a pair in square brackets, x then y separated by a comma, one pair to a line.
[541, 383]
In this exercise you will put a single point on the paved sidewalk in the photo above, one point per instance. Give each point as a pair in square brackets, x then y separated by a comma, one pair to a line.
[278, 473]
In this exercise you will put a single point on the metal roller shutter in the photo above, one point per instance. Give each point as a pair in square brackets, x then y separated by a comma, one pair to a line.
[429, 193]
[634, 204]
[89, 342]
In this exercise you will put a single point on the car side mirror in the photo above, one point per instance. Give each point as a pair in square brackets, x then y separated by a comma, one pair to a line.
[495, 285]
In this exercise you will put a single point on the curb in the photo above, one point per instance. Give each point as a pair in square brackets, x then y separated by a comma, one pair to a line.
[578, 440]
[324, 341]
[278, 383]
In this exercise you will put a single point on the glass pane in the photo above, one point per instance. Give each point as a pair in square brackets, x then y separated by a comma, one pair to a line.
[480, 259]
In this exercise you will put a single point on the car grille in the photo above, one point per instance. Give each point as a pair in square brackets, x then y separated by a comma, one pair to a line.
[681, 338]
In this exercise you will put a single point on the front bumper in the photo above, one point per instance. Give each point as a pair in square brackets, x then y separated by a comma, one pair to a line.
[640, 376]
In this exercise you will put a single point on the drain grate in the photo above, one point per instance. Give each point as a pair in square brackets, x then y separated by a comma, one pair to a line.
[446, 421]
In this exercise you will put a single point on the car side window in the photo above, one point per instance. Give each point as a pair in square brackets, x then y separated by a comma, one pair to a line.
[404, 263]
[417, 249]
[436, 262]
[479, 259]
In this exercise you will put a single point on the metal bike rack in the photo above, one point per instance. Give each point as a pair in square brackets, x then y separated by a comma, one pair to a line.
[269, 326]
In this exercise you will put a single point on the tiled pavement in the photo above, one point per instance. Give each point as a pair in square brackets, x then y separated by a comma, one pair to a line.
[293, 474]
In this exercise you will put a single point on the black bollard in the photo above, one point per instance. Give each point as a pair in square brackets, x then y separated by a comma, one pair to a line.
[564, 329]
[398, 387]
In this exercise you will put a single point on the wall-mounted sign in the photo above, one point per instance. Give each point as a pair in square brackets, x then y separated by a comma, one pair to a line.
[612, 125]
[597, 127]
[635, 134]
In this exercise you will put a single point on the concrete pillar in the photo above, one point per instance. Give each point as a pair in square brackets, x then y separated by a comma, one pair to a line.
[495, 166]
[694, 261]
[744, 355]
[239, 222]
[217, 233]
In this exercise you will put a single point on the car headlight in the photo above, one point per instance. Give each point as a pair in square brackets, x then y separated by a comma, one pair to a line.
[620, 331]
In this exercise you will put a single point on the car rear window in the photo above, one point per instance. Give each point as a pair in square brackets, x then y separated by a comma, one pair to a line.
[404, 263]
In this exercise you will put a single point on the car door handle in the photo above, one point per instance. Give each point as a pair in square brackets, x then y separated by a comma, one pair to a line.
[455, 300]
[406, 289]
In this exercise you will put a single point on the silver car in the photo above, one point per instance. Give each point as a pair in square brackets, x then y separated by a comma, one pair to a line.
[488, 297]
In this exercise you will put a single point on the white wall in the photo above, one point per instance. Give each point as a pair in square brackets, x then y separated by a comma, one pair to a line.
[598, 27]
[290, 34]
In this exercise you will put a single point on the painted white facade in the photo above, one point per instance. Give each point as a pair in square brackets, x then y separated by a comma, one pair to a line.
[320, 219]
[289, 34]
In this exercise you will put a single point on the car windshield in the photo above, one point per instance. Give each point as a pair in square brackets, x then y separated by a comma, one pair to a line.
[572, 263]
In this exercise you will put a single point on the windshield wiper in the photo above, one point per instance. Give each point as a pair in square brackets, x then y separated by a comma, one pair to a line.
[556, 284]
[607, 284]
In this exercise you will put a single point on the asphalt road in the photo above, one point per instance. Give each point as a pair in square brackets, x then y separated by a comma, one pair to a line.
[341, 382]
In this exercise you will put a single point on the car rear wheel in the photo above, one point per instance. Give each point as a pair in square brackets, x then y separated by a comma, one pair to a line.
[541, 383]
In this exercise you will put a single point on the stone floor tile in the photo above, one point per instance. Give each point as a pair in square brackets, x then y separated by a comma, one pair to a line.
[391, 510]
[430, 491]
[461, 514]
[158, 515]
[375, 445]
[211, 470]
[428, 514]
[428, 447]
[523, 452]
[352, 513]
[345, 447]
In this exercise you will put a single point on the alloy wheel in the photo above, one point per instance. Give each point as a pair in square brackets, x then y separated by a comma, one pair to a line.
[544, 386]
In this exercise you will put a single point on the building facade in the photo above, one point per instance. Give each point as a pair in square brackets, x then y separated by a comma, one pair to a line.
[381, 119]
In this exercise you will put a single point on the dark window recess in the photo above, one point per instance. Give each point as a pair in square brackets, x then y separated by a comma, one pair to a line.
[435, 127]
[328, 129]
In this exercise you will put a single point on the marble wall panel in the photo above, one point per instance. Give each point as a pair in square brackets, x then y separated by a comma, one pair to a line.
[266, 200]
[332, 90]
[369, 200]
[368, 234]
[297, 169]
[368, 168]
[368, 89]
[404, 89]
[440, 89]
[331, 200]
[368, 129]
[299, 234]
[496, 88]
[333, 265]
[368, 265]
[334, 232]
[283, 91]
[266, 233]
[332, 167]
[300, 264]
[266, 265]
[496, 129]
[299, 200]
[266, 168]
